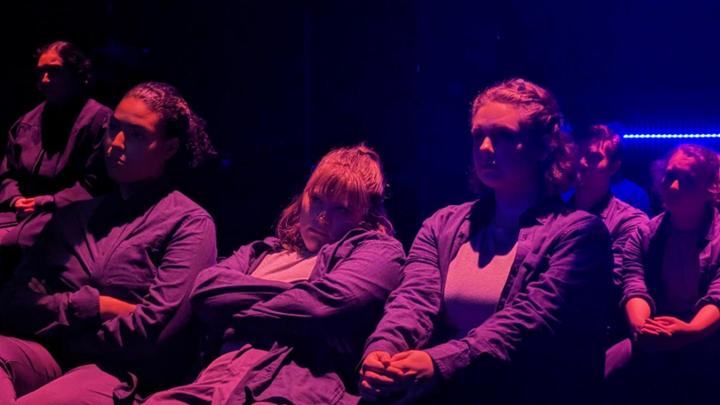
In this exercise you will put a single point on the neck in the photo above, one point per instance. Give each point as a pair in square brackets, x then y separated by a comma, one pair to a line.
[510, 204]
[689, 220]
[588, 197]
[127, 190]
[70, 103]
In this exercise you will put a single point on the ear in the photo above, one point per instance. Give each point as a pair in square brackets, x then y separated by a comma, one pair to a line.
[171, 147]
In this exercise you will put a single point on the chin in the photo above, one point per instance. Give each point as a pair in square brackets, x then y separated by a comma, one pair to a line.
[491, 181]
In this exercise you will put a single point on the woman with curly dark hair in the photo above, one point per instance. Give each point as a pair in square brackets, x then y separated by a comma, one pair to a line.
[504, 298]
[97, 298]
[53, 154]
[671, 289]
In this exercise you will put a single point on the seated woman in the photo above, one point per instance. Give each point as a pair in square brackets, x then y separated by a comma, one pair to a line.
[102, 287]
[671, 288]
[53, 154]
[503, 299]
[301, 304]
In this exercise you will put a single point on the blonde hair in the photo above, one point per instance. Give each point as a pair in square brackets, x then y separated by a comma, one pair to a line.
[353, 174]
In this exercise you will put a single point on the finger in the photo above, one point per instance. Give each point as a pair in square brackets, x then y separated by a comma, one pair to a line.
[372, 394]
[400, 356]
[383, 357]
[378, 380]
[367, 392]
[653, 321]
[656, 330]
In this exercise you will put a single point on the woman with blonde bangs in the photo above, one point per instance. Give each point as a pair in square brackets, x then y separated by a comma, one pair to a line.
[290, 313]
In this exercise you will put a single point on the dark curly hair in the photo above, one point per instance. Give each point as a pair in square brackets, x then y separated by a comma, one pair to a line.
[354, 173]
[74, 60]
[179, 120]
[541, 127]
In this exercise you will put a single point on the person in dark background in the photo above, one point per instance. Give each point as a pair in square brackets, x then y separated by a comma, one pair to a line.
[99, 294]
[503, 299]
[671, 290]
[53, 154]
[599, 159]
[301, 304]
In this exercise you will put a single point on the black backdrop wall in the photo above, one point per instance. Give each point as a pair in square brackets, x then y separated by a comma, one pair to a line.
[281, 82]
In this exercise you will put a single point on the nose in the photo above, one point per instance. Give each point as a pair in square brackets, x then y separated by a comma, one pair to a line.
[583, 163]
[675, 185]
[322, 218]
[487, 146]
[45, 79]
[117, 142]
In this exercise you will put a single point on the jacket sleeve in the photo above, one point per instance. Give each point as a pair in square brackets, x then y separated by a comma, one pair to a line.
[31, 314]
[624, 231]
[225, 289]
[412, 308]
[191, 249]
[633, 269]
[362, 279]
[9, 190]
[579, 263]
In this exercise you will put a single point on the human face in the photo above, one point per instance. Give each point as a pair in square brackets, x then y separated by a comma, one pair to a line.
[325, 219]
[594, 167]
[55, 82]
[684, 192]
[135, 146]
[501, 158]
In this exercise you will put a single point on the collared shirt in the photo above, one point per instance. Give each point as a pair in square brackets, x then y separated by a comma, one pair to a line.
[146, 250]
[551, 316]
[313, 330]
[642, 265]
[73, 172]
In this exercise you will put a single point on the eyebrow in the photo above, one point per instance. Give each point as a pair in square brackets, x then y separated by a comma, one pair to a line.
[125, 123]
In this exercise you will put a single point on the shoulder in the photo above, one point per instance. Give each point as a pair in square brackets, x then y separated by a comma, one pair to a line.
[451, 214]
[181, 205]
[368, 240]
[32, 117]
[96, 108]
[577, 222]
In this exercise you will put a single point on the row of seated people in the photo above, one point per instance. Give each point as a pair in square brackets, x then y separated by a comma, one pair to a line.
[516, 297]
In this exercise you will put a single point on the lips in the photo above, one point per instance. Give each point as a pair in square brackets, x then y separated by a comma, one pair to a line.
[317, 232]
[115, 161]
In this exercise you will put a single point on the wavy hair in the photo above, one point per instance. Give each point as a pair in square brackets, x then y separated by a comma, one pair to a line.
[541, 125]
[351, 173]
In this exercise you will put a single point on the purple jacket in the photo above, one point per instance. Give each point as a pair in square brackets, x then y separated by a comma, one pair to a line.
[643, 263]
[314, 330]
[548, 331]
[146, 250]
[621, 220]
[70, 171]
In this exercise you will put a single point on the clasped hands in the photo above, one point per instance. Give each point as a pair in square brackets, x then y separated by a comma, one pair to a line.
[663, 333]
[406, 373]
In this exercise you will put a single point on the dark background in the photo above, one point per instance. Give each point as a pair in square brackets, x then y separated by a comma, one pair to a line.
[281, 82]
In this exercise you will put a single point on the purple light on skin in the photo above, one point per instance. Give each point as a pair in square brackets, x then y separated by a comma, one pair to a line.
[671, 136]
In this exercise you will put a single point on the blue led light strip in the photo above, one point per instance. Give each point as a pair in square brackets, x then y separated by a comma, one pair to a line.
[670, 136]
